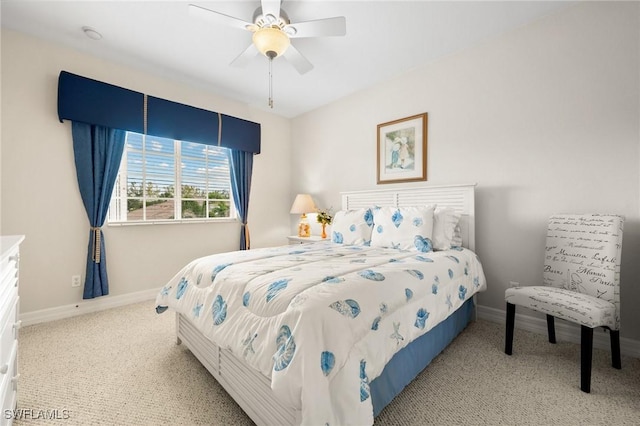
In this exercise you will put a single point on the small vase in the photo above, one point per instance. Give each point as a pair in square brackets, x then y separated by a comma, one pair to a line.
[324, 231]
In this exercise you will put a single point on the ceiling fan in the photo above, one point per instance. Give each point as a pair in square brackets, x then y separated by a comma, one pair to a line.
[272, 31]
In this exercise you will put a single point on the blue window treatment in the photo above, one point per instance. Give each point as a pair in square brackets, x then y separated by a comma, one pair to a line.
[97, 152]
[90, 101]
[241, 164]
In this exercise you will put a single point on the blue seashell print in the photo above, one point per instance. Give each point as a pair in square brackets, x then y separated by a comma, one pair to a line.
[219, 310]
[397, 218]
[395, 246]
[376, 323]
[476, 281]
[248, 344]
[383, 308]
[456, 248]
[455, 259]
[424, 259]
[196, 310]
[246, 297]
[337, 237]
[450, 272]
[448, 301]
[286, 349]
[422, 244]
[364, 381]
[327, 361]
[332, 280]
[434, 288]
[371, 275]
[165, 291]
[408, 293]
[352, 228]
[348, 308]
[276, 287]
[368, 218]
[182, 287]
[421, 318]
[367, 243]
[462, 292]
[415, 273]
[161, 309]
[396, 333]
[417, 221]
[379, 229]
[217, 270]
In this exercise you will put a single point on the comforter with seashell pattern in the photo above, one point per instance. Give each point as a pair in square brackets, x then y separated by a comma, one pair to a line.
[322, 320]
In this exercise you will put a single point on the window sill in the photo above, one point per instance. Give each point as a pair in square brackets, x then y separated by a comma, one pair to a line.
[171, 222]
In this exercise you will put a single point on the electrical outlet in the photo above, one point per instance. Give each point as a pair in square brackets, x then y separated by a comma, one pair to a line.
[75, 281]
[514, 284]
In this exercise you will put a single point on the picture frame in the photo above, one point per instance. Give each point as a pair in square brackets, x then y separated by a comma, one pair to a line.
[402, 150]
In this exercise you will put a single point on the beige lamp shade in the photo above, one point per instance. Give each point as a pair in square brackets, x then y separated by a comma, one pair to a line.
[303, 204]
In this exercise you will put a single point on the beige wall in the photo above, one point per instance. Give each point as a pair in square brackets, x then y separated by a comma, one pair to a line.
[545, 119]
[40, 195]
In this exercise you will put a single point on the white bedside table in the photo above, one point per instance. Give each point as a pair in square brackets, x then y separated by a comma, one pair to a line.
[294, 239]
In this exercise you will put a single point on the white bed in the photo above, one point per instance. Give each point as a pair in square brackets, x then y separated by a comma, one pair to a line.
[252, 389]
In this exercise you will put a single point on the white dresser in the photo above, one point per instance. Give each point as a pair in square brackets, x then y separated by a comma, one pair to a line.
[9, 324]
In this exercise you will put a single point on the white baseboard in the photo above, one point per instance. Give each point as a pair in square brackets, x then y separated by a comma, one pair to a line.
[86, 306]
[564, 330]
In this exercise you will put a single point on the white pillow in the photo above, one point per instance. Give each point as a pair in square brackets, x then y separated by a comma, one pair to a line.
[352, 227]
[404, 228]
[445, 221]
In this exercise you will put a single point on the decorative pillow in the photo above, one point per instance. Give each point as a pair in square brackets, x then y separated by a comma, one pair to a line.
[405, 228]
[456, 241]
[352, 227]
[445, 221]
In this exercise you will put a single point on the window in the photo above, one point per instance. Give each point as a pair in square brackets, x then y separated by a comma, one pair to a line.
[165, 180]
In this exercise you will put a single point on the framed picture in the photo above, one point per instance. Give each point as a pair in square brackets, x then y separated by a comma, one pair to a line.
[402, 150]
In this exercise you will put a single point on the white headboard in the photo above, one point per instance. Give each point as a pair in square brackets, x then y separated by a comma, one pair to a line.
[460, 197]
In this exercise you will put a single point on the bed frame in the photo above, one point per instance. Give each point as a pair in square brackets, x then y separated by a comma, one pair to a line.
[248, 387]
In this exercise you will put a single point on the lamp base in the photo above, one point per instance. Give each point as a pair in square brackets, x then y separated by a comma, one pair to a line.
[304, 228]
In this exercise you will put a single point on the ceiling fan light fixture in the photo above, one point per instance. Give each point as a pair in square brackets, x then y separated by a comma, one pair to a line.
[271, 42]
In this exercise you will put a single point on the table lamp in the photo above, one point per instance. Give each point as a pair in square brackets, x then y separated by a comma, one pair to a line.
[302, 205]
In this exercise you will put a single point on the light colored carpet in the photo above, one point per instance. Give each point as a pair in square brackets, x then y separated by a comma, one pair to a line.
[123, 367]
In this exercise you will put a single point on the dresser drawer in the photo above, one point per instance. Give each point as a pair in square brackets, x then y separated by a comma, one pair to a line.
[8, 272]
[9, 386]
[8, 332]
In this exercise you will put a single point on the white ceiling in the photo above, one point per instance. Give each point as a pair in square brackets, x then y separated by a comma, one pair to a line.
[384, 39]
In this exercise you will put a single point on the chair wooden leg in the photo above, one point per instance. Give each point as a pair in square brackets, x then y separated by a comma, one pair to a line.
[586, 352]
[615, 349]
[511, 320]
[551, 329]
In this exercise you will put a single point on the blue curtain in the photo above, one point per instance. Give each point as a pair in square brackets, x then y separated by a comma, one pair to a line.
[241, 163]
[97, 151]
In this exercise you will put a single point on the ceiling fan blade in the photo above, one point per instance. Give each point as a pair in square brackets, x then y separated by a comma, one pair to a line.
[271, 7]
[318, 28]
[295, 58]
[243, 59]
[217, 17]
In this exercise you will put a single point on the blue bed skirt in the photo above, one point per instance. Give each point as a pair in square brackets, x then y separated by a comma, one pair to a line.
[411, 360]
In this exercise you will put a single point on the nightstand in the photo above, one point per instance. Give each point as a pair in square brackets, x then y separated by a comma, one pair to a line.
[294, 239]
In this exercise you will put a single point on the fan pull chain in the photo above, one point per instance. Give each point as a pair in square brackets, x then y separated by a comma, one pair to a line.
[270, 84]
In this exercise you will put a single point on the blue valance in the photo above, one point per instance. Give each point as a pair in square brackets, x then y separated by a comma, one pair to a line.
[90, 101]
